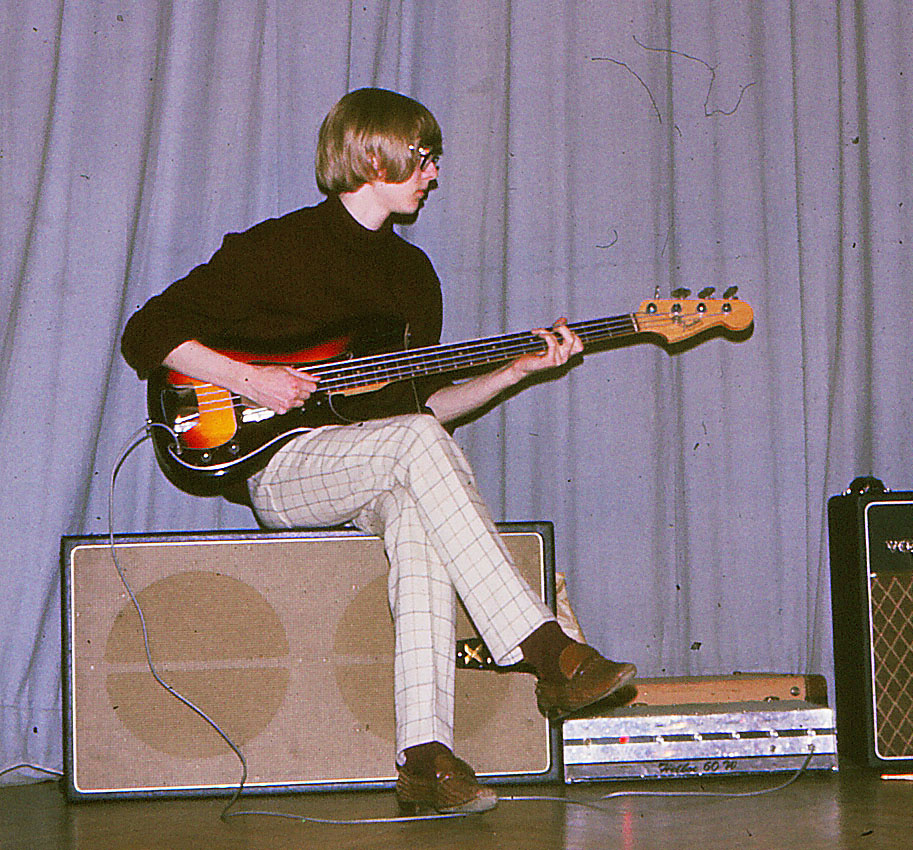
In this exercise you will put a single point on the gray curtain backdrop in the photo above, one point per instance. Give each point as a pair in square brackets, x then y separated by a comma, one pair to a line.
[596, 150]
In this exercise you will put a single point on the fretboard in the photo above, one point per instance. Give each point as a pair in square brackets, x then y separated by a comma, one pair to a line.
[453, 357]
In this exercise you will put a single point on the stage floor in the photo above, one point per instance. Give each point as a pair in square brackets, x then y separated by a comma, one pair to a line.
[848, 809]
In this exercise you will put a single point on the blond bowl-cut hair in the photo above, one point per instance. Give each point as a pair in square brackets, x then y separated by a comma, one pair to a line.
[367, 136]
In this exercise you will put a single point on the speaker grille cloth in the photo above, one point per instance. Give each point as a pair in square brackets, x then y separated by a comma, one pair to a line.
[892, 651]
[287, 643]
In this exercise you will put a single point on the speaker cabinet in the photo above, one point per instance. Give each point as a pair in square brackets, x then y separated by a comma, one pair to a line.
[285, 640]
[871, 557]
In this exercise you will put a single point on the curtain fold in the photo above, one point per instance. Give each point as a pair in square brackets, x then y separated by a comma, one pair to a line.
[596, 154]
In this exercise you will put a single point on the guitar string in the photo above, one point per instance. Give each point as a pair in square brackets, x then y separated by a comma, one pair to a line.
[354, 373]
[364, 371]
[465, 355]
[507, 345]
[623, 325]
[386, 364]
[468, 354]
[495, 347]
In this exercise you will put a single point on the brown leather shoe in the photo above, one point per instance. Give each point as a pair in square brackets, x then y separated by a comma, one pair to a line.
[587, 677]
[453, 789]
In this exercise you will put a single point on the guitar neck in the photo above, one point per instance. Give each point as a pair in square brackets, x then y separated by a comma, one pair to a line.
[339, 376]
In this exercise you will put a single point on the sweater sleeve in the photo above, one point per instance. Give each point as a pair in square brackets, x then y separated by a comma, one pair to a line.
[208, 303]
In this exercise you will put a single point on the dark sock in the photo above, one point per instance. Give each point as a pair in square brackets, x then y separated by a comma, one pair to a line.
[420, 758]
[542, 648]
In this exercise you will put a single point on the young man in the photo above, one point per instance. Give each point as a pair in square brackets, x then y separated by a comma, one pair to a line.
[395, 472]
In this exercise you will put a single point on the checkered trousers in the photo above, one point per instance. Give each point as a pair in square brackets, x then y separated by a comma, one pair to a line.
[406, 480]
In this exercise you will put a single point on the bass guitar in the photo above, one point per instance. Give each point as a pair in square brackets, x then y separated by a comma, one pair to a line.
[205, 436]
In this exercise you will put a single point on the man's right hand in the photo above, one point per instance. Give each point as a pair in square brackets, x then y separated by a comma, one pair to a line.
[280, 388]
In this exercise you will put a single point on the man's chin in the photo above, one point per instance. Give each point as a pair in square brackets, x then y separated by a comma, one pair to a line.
[409, 214]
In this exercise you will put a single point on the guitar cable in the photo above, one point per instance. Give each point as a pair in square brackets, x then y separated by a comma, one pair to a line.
[133, 442]
[145, 433]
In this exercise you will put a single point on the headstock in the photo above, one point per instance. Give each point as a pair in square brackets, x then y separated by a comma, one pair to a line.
[679, 318]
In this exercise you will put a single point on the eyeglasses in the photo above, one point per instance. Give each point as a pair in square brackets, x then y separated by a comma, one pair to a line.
[426, 156]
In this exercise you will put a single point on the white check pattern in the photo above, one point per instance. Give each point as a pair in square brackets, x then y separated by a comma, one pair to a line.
[406, 480]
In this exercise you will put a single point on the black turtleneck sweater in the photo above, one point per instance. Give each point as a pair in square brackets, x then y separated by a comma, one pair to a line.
[288, 282]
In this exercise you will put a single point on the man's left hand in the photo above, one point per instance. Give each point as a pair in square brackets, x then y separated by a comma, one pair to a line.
[561, 344]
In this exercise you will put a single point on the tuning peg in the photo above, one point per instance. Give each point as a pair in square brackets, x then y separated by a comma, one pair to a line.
[731, 292]
[706, 292]
[681, 292]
